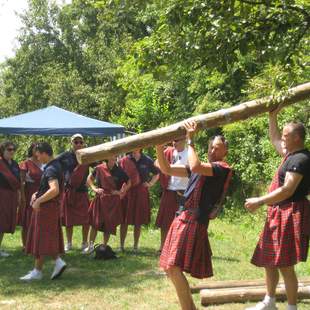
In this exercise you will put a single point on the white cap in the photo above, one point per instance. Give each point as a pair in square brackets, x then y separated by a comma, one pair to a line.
[77, 135]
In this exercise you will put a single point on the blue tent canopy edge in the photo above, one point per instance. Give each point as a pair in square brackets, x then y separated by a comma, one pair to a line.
[54, 121]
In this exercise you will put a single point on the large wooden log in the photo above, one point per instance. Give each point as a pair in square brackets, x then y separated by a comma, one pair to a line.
[214, 119]
[238, 284]
[222, 296]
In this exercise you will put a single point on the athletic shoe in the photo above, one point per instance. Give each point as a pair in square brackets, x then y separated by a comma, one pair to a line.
[84, 246]
[32, 275]
[4, 254]
[68, 247]
[89, 249]
[59, 268]
[263, 306]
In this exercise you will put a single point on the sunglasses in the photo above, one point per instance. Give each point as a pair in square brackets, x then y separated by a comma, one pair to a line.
[10, 149]
[79, 142]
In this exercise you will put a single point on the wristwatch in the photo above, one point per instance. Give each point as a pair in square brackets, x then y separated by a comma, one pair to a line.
[190, 142]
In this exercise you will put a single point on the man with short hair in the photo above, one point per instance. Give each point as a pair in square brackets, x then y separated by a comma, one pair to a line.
[285, 239]
[187, 247]
[75, 200]
[45, 234]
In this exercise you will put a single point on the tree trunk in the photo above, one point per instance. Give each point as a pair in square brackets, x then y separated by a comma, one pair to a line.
[175, 131]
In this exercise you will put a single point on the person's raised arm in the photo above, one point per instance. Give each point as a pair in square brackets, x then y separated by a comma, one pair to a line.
[195, 165]
[274, 131]
[165, 167]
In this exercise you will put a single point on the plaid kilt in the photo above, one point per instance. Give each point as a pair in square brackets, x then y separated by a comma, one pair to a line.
[24, 214]
[138, 208]
[167, 209]
[187, 244]
[45, 236]
[8, 210]
[105, 213]
[74, 208]
[285, 239]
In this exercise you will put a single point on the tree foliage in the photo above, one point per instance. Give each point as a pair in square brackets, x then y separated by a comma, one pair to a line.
[147, 63]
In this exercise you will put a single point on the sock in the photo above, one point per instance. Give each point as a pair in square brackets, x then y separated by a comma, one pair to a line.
[58, 260]
[269, 300]
[37, 270]
[291, 307]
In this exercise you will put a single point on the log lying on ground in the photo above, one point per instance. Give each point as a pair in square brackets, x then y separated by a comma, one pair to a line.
[238, 284]
[230, 295]
[175, 131]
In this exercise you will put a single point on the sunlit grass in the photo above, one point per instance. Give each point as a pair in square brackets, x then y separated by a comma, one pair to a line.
[133, 281]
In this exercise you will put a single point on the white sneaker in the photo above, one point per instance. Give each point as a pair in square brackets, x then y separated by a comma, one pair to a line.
[59, 268]
[32, 275]
[263, 306]
[68, 247]
[89, 249]
[4, 254]
[84, 246]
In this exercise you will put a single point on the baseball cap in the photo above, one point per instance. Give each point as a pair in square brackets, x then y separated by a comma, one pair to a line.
[75, 136]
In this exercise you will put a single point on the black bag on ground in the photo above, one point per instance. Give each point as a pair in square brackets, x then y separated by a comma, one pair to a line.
[104, 252]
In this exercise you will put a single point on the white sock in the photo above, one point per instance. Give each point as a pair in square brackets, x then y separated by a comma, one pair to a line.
[37, 270]
[269, 300]
[58, 260]
[291, 307]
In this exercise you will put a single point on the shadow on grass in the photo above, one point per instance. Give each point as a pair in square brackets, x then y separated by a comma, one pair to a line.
[83, 272]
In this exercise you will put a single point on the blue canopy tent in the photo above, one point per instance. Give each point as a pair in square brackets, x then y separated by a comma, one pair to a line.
[54, 121]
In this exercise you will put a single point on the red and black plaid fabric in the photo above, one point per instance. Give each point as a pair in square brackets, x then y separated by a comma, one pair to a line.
[187, 245]
[138, 207]
[167, 209]
[8, 210]
[75, 204]
[35, 173]
[285, 239]
[74, 208]
[45, 236]
[105, 213]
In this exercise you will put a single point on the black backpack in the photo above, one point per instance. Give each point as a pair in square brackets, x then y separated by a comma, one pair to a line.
[104, 252]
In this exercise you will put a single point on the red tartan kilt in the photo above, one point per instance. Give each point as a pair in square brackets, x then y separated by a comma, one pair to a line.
[24, 215]
[105, 213]
[74, 208]
[167, 209]
[285, 239]
[8, 210]
[138, 208]
[45, 234]
[187, 246]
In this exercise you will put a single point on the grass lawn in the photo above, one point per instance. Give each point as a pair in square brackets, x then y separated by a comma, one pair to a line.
[132, 281]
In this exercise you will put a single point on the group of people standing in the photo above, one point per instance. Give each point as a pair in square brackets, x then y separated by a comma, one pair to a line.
[54, 192]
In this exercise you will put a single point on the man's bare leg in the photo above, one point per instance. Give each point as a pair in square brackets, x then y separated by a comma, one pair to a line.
[123, 234]
[136, 236]
[291, 284]
[182, 287]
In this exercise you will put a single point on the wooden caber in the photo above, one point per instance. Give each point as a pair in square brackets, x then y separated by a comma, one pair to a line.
[240, 283]
[210, 120]
[244, 294]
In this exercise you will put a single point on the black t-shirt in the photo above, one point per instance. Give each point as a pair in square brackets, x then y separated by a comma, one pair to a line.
[145, 166]
[119, 176]
[212, 189]
[14, 169]
[68, 163]
[298, 162]
[52, 171]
